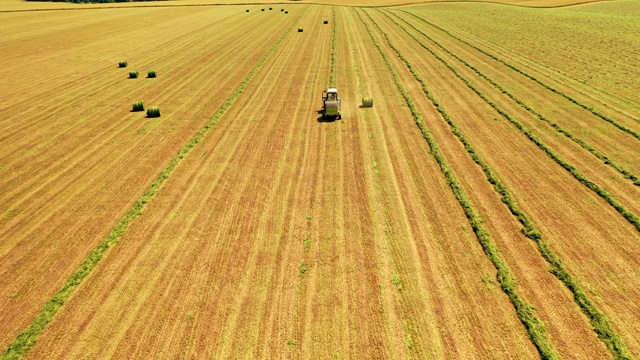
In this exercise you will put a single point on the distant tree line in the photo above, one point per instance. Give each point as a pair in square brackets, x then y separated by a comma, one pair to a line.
[91, 1]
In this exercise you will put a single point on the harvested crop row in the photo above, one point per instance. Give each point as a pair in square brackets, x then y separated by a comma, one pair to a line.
[25, 340]
[532, 323]
[600, 323]
[609, 31]
[563, 80]
[606, 160]
[562, 208]
[573, 100]
[605, 195]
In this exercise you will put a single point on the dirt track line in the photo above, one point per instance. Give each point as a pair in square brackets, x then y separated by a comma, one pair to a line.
[536, 80]
[29, 336]
[525, 311]
[621, 209]
[599, 321]
[605, 159]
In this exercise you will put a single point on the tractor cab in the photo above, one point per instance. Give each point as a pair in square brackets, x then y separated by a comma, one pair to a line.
[331, 103]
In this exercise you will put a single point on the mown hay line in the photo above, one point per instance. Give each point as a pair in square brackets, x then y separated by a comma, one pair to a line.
[554, 72]
[599, 321]
[605, 159]
[29, 336]
[526, 314]
[533, 78]
[621, 209]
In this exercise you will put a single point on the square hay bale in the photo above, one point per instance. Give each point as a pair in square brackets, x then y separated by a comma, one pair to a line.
[138, 106]
[153, 112]
[367, 102]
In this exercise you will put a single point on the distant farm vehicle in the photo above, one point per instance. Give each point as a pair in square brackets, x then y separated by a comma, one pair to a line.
[331, 104]
[367, 102]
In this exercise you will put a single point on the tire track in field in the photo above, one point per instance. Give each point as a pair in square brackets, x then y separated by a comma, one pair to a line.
[600, 323]
[583, 144]
[628, 215]
[28, 337]
[534, 326]
[591, 109]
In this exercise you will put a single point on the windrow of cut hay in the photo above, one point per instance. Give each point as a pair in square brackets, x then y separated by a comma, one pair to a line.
[605, 195]
[604, 158]
[573, 100]
[525, 311]
[600, 323]
[28, 337]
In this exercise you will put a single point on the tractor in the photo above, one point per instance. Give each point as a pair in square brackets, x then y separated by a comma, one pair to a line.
[331, 104]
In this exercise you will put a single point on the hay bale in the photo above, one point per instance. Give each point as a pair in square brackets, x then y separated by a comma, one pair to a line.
[153, 112]
[133, 74]
[367, 102]
[326, 22]
[122, 64]
[299, 29]
[286, 12]
[247, 10]
[138, 106]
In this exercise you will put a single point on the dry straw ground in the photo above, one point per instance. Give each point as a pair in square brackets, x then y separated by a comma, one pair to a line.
[486, 206]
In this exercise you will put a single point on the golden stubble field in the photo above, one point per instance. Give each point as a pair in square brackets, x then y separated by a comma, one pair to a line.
[486, 206]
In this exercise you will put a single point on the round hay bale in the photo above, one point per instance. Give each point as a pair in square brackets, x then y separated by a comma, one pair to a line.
[300, 30]
[286, 12]
[367, 102]
[247, 10]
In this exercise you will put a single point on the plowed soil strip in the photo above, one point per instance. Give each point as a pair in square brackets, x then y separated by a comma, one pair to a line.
[28, 337]
[600, 323]
[532, 323]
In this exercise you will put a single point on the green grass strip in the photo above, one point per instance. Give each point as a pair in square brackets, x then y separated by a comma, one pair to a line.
[334, 46]
[534, 326]
[25, 340]
[627, 174]
[548, 87]
[599, 322]
[621, 209]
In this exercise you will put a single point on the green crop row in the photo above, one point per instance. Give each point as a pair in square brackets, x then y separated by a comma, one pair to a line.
[598, 320]
[27, 338]
[627, 174]
[525, 312]
[548, 87]
[550, 69]
[626, 213]
[334, 45]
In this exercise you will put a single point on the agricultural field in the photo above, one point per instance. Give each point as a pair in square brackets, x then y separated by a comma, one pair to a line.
[170, 189]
